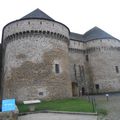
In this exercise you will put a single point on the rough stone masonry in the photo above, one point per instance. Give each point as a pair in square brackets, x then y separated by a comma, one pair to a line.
[42, 59]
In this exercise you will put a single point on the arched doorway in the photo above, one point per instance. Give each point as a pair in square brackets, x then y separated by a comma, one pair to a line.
[74, 89]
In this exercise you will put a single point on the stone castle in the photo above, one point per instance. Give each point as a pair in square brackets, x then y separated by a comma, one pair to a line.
[42, 59]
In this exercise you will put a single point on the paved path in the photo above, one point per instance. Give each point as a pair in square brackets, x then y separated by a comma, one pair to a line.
[54, 116]
[112, 106]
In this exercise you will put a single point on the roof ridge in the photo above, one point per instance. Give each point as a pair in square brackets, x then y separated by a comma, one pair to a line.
[38, 14]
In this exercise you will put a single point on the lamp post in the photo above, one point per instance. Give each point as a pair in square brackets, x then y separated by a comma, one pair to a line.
[107, 97]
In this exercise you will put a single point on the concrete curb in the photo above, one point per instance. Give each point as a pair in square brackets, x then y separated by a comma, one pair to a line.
[79, 113]
[59, 112]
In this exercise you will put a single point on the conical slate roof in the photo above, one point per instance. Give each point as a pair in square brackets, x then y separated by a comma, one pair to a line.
[97, 33]
[38, 14]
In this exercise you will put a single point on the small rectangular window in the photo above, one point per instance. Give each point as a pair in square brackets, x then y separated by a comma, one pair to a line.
[97, 86]
[57, 69]
[117, 69]
[40, 93]
[87, 58]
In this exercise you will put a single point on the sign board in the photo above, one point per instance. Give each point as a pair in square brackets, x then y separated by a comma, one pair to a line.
[8, 105]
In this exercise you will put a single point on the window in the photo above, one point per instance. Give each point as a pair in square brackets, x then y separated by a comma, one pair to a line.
[57, 68]
[83, 72]
[40, 93]
[97, 86]
[117, 69]
[87, 58]
[80, 71]
[75, 72]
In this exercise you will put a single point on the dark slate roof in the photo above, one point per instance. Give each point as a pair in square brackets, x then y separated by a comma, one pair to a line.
[96, 33]
[38, 14]
[93, 34]
[76, 36]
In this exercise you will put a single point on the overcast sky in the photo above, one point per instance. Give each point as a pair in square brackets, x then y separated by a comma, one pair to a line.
[78, 15]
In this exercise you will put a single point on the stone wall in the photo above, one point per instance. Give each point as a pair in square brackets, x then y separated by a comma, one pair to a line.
[77, 45]
[33, 47]
[103, 57]
[35, 25]
[30, 59]
[8, 115]
[77, 66]
[100, 68]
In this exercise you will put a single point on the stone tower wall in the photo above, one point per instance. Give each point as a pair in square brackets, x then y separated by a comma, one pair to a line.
[32, 49]
[103, 58]
[100, 69]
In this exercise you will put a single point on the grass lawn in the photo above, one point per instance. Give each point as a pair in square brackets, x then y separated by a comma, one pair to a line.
[72, 105]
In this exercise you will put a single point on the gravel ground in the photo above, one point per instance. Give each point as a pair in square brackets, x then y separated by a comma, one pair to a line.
[54, 116]
[112, 106]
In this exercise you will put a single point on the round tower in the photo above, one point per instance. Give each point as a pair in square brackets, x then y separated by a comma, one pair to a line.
[36, 58]
[102, 61]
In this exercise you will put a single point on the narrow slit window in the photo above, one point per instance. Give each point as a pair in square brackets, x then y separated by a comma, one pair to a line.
[97, 86]
[87, 58]
[83, 72]
[80, 71]
[75, 72]
[117, 69]
[57, 68]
